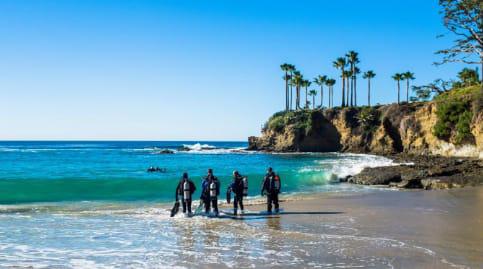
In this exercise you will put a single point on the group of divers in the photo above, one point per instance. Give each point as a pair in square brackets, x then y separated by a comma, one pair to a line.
[210, 190]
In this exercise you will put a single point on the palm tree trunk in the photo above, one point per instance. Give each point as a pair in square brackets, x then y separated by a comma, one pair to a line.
[398, 91]
[306, 100]
[331, 96]
[349, 92]
[286, 91]
[343, 90]
[297, 97]
[369, 92]
[313, 101]
[355, 90]
[291, 97]
[352, 89]
[407, 90]
[321, 96]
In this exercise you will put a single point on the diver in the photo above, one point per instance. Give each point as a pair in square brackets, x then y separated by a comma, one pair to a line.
[237, 186]
[185, 189]
[271, 187]
[210, 192]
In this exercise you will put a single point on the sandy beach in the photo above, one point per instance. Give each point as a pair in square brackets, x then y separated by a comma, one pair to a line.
[380, 229]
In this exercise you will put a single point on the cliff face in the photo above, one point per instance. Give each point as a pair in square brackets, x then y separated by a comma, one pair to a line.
[405, 128]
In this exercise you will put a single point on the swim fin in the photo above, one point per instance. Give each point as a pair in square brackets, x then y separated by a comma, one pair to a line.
[228, 196]
[199, 208]
[175, 209]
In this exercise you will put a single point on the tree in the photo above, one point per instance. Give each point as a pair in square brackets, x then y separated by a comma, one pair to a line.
[422, 94]
[398, 77]
[321, 80]
[313, 93]
[285, 68]
[356, 72]
[330, 84]
[438, 86]
[353, 59]
[341, 63]
[291, 69]
[297, 82]
[347, 74]
[306, 83]
[468, 77]
[408, 76]
[369, 75]
[464, 19]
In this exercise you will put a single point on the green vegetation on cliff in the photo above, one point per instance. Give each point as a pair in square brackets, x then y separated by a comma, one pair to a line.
[455, 110]
[301, 120]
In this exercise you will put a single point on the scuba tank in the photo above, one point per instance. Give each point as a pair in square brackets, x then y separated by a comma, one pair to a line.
[186, 190]
[276, 182]
[213, 189]
[245, 186]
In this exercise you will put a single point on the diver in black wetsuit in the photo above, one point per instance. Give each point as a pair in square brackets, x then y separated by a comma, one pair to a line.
[185, 189]
[271, 187]
[237, 187]
[210, 191]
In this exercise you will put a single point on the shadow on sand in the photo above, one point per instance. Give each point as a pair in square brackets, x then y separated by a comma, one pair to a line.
[265, 215]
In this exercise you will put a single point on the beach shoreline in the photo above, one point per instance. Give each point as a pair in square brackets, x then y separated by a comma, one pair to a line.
[409, 228]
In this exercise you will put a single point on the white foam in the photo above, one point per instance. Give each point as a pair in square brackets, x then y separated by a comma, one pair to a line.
[347, 164]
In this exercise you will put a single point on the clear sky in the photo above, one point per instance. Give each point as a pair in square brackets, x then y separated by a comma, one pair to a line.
[193, 70]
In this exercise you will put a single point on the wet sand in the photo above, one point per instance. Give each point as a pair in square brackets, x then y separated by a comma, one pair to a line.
[381, 229]
[368, 228]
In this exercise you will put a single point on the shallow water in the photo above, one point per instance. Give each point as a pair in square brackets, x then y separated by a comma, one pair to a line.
[93, 205]
[371, 229]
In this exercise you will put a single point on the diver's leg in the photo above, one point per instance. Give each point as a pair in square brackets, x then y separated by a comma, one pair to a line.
[207, 206]
[275, 201]
[189, 206]
[269, 202]
[184, 205]
[215, 205]
[235, 204]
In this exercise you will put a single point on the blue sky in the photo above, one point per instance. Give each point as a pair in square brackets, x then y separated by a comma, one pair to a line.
[193, 70]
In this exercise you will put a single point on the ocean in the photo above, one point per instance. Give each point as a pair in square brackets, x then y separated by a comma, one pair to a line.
[84, 204]
[33, 172]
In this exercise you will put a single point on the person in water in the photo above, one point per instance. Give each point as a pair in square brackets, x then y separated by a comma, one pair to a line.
[237, 187]
[185, 190]
[210, 192]
[271, 187]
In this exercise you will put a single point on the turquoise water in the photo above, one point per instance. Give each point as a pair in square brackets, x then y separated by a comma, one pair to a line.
[93, 205]
[116, 171]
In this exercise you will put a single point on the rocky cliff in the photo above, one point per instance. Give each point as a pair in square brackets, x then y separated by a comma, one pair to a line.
[451, 125]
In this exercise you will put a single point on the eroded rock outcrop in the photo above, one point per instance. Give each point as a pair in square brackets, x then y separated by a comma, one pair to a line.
[389, 129]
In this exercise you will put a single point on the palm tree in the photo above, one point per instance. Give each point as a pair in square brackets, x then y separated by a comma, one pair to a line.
[408, 76]
[356, 71]
[330, 83]
[398, 77]
[369, 75]
[353, 59]
[313, 93]
[346, 76]
[306, 83]
[291, 69]
[341, 63]
[297, 82]
[321, 80]
[285, 67]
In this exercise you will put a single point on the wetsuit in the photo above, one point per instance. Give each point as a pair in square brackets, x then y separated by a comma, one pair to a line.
[237, 188]
[180, 192]
[206, 195]
[270, 188]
